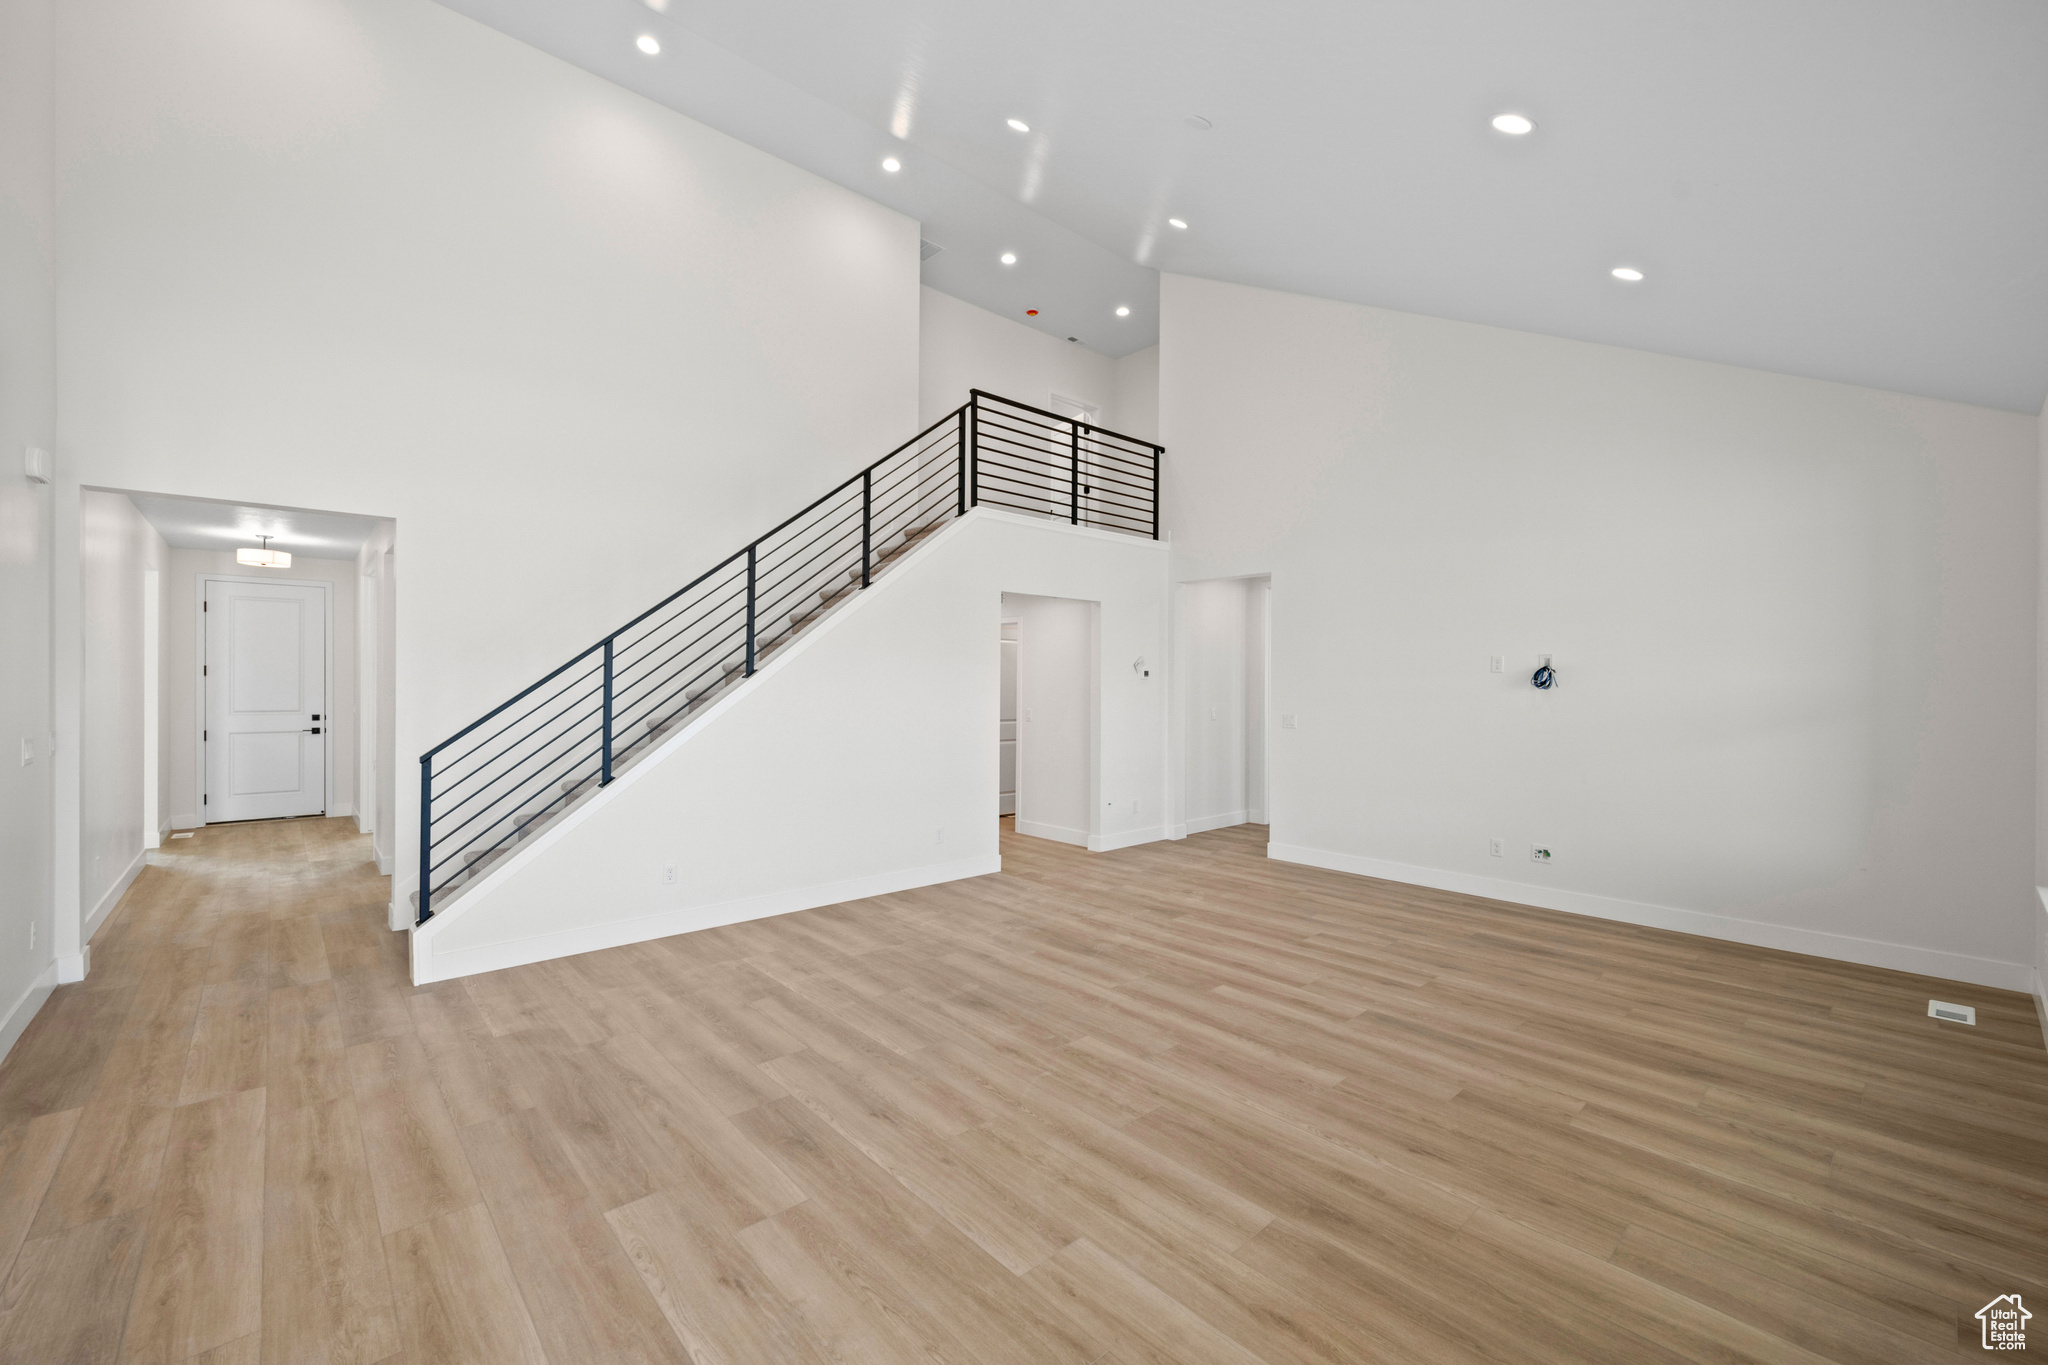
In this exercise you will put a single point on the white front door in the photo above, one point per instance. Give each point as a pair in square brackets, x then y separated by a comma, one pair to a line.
[266, 701]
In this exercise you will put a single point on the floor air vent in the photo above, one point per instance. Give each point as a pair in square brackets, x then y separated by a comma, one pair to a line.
[1955, 1014]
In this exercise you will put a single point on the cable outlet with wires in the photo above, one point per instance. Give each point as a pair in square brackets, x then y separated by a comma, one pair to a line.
[1544, 679]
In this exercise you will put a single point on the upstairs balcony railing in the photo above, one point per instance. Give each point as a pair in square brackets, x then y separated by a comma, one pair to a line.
[507, 774]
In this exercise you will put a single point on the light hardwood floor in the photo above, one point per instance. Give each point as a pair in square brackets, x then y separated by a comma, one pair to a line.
[1168, 1106]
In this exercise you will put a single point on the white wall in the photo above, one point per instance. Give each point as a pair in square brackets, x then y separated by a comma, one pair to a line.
[1136, 405]
[887, 711]
[396, 263]
[1793, 621]
[962, 347]
[115, 548]
[182, 694]
[1059, 675]
[27, 417]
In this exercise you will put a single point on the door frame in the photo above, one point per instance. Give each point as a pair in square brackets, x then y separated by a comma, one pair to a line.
[326, 682]
[1017, 758]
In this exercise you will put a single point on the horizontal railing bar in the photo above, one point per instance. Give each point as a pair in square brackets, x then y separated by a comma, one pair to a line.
[544, 775]
[454, 762]
[691, 652]
[1016, 439]
[717, 646]
[444, 835]
[1061, 476]
[1013, 403]
[507, 774]
[1001, 450]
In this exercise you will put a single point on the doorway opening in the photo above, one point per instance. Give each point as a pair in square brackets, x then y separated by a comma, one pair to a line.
[1225, 634]
[217, 689]
[1052, 644]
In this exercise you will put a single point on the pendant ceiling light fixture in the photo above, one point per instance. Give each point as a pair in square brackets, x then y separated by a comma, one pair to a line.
[265, 558]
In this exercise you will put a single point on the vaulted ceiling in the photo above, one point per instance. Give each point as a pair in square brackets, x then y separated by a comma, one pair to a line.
[1850, 191]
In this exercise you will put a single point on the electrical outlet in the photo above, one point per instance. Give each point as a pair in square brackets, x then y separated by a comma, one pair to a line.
[668, 875]
[1497, 847]
[31, 935]
[1496, 663]
[939, 835]
[1538, 854]
[28, 751]
[1027, 713]
[1287, 720]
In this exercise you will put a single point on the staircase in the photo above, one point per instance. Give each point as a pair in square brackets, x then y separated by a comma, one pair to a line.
[510, 774]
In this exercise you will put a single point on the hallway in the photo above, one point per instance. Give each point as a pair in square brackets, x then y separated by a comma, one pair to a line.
[1175, 1104]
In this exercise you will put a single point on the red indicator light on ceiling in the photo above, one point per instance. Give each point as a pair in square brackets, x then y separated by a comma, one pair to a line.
[1030, 312]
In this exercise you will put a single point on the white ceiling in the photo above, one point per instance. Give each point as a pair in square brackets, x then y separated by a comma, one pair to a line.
[197, 524]
[1852, 191]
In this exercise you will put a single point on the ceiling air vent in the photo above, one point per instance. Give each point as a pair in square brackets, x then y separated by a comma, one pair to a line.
[1955, 1014]
[927, 250]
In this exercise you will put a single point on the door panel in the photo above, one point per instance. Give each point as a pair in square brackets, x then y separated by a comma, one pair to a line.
[264, 764]
[263, 656]
[267, 717]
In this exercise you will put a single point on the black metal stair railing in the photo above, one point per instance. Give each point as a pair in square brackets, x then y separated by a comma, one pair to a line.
[504, 776]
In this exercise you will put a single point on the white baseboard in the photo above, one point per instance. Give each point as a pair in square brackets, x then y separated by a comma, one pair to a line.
[72, 967]
[429, 965]
[1059, 832]
[1899, 957]
[25, 1006]
[1105, 843]
[1198, 824]
[113, 897]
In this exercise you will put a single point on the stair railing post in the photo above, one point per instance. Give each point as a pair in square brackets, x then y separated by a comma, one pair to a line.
[426, 836]
[1074, 488]
[964, 438]
[1155, 492]
[750, 611]
[604, 775]
[867, 508]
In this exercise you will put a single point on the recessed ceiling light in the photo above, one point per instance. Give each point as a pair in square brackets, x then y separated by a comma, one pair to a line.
[1175, 222]
[1123, 312]
[646, 43]
[1628, 274]
[1513, 124]
[891, 164]
[1009, 258]
[1020, 125]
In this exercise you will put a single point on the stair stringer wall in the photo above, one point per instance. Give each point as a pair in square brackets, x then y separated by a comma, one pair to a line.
[829, 776]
